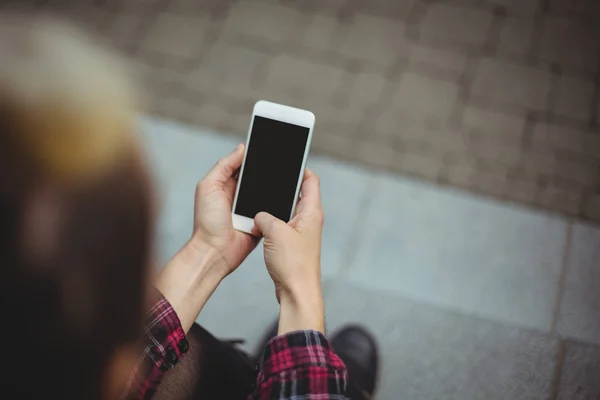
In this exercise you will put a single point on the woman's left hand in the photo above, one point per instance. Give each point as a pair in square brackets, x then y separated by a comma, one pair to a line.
[212, 212]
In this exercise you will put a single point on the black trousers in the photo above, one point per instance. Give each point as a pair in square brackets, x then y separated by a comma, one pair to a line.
[213, 369]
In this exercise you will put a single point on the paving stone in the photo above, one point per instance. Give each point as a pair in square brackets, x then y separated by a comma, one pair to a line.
[495, 151]
[230, 69]
[368, 86]
[584, 8]
[141, 6]
[210, 113]
[392, 125]
[579, 373]
[532, 165]
[591, 206]
[329, 7]
[493, 127]
[446, 140]
[487, 183]
[320, 32]
[571, 43]
[420, 166]
[303, 79]
[374, 39]
[266, 21]
[377, 155]
[177, 108]
[89, 17]
[574, 98]
[448, 23]
[420, 146]
[437, 63]
[456, 139]
[270, 91]
[214, 8]
[560, 200]
[126, 29]
[382, 8]
[577, 172]
[421, 96]
[512, 83]
[175, 35]
[421, 133]
[158, 82]
[520, 191]
[432, 145]
[518, 7]
[548, 137]
[490, 165]
[24, 5]
[362, 94]
[457, 175]
[337, 145]
[516, 36]
[237, 122]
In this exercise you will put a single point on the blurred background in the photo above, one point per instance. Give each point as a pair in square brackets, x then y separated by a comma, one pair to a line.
[458, 143]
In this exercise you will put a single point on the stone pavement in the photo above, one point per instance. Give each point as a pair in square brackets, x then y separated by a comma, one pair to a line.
[498, 97]
[469, 298]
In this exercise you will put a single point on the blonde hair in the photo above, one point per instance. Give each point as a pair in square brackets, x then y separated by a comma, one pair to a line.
[76, 231]
[68, 101]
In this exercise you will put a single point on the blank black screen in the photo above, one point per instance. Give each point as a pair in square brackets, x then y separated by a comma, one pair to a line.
[272, 168]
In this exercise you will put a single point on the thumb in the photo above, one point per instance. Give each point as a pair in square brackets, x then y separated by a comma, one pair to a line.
[265, 224]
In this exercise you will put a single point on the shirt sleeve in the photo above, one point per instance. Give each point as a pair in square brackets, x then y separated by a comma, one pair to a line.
[300, 365]
[164, 343]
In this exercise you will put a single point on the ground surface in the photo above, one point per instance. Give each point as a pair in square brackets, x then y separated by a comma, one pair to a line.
[469, 298]
[498, 97]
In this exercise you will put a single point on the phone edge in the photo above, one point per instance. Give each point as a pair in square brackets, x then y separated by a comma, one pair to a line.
[243, 223]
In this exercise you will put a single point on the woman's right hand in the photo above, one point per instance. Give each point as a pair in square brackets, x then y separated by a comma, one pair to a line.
[293, 259]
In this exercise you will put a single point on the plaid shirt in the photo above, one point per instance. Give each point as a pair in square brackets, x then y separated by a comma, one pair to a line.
[300, 365]
[296, 365]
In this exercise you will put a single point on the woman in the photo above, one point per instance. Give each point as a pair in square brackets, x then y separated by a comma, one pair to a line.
[77, 221]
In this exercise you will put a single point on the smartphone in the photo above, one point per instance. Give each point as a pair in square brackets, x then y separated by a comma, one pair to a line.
[273, 168]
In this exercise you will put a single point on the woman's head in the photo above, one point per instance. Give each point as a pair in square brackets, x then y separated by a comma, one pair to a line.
[75, 213]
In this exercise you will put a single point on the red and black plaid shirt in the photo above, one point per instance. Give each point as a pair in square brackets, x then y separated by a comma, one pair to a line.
[296, 365]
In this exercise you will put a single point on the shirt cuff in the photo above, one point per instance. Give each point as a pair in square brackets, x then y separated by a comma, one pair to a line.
[297, 350]
[166, 341]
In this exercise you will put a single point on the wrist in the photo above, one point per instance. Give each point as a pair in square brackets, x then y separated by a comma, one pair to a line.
[190, 278]
[198, 250]
[301, 307]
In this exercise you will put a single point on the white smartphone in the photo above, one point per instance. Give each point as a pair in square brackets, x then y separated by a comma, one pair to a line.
[273, 169]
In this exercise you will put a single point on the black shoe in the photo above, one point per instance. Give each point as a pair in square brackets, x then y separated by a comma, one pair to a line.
[358, 349]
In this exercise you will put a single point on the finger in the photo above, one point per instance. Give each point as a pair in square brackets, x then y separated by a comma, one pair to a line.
[244, 241]
[229, 189]
[226, 166]
[265, 224]
[311, 191]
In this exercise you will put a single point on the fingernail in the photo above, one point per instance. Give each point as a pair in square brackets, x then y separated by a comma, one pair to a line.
[239, 146]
